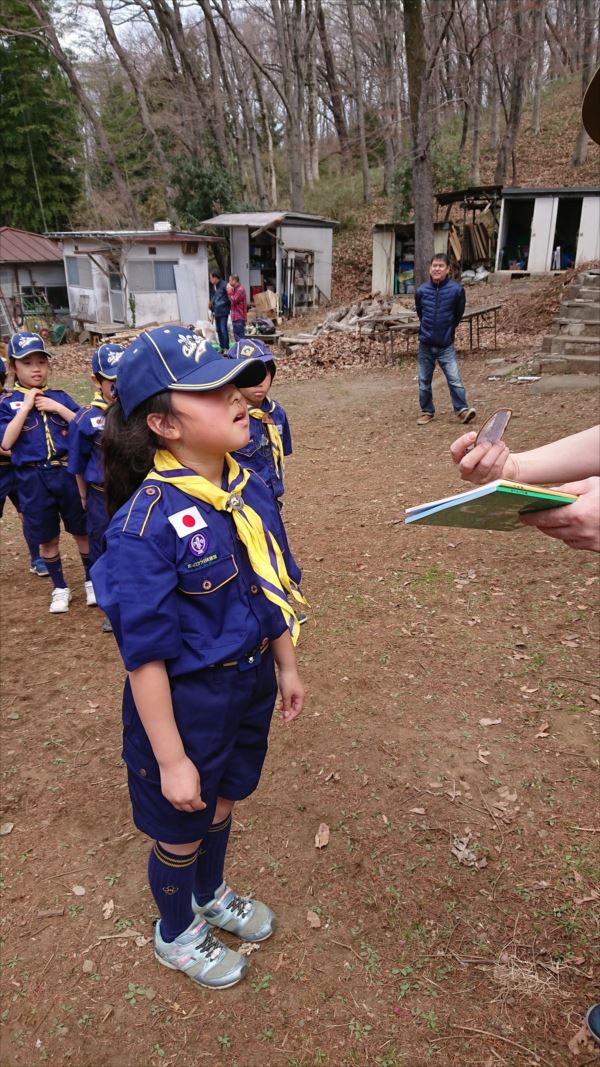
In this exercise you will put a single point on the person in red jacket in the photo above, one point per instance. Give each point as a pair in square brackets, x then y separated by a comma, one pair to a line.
[239, 306]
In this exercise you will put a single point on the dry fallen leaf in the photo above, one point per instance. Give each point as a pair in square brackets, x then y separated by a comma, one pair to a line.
[322, 836]
[543, 730]
[89, 966]
[247, 947]
[140, 940]
[593, 895]
[481, 753]
[7, 828]
[313, 919]
[108, 909]
[490, 722]
[78, 890]
[418, 811]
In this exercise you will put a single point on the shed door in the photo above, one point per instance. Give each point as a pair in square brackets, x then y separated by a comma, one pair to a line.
[117, 303]
[240, 254]
[542, 233]
[187, 300]
[588, 240]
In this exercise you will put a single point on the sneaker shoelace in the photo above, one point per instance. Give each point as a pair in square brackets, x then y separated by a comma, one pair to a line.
[209, 947]
[238, 905]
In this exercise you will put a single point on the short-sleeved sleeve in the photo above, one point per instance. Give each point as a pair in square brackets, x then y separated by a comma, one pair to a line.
[286, 434]
[64, 398]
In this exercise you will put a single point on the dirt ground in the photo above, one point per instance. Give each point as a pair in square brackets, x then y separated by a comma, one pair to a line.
[390, 951]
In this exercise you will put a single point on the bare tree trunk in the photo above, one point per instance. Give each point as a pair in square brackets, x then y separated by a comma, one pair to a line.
[507, 148]
[312, 157]
[477, 83]
[589, 52]
[54, 46]
[540, 23]
[249, 123]
[265, 120]
[414, 36]
[333, 84]
[360, 110]
[292, 87]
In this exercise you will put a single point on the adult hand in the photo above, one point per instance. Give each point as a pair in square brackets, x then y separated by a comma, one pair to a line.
[180, 785]
[485, 463]
[578, 524]
[292, 693]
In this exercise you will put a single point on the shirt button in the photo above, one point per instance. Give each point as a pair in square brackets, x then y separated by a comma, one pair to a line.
[143, 772]
[254, 589]
[206, 584]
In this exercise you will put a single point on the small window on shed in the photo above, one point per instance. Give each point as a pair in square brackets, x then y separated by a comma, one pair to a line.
[164, 277]
[152, 250]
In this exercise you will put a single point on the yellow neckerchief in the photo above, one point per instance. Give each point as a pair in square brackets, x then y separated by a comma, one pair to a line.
[266, 557]
[99, 401]
[273, 432]
[50, 449]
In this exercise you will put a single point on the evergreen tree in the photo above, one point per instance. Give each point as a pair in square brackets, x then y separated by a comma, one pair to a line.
[40, 163]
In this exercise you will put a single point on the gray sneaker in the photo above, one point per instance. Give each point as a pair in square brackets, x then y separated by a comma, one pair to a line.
[248, 919]
[200, 955]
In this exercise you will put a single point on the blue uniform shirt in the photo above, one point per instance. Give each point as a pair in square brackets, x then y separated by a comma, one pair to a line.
[44, 435]
[85, 445]
[190, 598]
[257, 455]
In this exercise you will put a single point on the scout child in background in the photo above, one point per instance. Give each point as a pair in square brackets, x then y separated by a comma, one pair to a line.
[85, 449]
[8, 488]
[194, 579]
[239, 306]
[270, 436]
[33, 427]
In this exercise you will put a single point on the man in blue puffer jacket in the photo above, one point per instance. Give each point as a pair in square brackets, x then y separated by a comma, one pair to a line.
[220, 306]
[440, 305]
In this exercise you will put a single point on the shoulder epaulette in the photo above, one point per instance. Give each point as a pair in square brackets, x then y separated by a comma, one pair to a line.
[140, 509]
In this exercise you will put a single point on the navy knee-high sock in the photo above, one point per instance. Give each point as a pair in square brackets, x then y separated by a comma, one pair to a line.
[54, 566]
[211, 861]
[171, 880]
[86, 564]
[33, 546]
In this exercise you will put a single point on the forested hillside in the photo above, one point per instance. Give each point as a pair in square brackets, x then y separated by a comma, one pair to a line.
[119, 113]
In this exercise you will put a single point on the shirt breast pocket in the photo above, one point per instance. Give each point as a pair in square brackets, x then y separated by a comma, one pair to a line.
[31, 422]
[208, 579]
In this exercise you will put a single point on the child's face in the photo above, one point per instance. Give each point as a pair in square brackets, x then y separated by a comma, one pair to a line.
[257, 393]
[211, 424]
[105, 387]
[32, 371]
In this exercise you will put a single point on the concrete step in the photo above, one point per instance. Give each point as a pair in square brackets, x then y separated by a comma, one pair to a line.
[574, 346]
[578, 328]
[580, 310]
[563, 363]
[564, 383]
[584, 292]
[591, 278]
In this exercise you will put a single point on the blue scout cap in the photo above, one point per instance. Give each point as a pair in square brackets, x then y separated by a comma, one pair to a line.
[254, 348]
[24, 343]
[105, 360]
[175, 358]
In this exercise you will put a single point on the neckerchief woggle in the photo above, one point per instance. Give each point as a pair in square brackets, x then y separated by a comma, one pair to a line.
[273, 432]
[264, 553]
[50, 449]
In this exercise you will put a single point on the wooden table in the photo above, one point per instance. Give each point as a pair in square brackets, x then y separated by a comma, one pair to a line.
[481, 318]
[384, 327]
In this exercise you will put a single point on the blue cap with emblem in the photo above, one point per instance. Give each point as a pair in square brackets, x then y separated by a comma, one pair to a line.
[174, 358]
[105, 361]
[253, 348]
[24, 343]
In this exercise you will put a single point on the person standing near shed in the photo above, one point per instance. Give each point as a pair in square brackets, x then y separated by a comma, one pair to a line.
[220, 307]
[440, 305]
[239, 307]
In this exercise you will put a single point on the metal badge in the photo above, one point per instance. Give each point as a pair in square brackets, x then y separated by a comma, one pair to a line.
[235, 502]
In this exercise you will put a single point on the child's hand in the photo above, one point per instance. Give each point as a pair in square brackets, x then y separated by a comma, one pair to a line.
[46, 403]
[180, 785]
[292, 693]
[485, 463]
[30, 398]
[578, 524]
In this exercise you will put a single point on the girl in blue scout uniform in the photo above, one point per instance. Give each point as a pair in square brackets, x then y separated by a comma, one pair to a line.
[33, 427]
[8, 488]
[194, 579]
[85, 448]
[270, 435]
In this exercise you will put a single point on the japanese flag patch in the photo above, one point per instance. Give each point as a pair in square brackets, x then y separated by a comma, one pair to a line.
[97, 422]
[187, 521]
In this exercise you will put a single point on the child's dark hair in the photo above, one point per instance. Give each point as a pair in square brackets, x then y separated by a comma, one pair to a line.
[129, 446]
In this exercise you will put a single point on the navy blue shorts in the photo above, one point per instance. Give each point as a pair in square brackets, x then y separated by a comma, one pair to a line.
[223, 715]
[8, 486]
[47, 495]
[96, 518]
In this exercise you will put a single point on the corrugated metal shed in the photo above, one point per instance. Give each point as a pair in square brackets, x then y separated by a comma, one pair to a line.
[144, 236]
[20, 246]
[262, 219]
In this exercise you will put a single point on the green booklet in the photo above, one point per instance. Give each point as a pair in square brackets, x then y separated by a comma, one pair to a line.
[495, 506]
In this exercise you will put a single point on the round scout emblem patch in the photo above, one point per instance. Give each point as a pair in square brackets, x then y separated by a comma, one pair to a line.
[198, 544]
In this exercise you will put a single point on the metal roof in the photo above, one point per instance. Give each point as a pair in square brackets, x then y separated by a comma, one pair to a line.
[21, 246]
[473, 192]
[262, 219]
[510, 191]
[143, 236]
